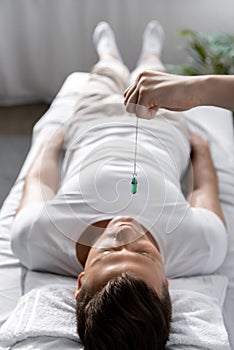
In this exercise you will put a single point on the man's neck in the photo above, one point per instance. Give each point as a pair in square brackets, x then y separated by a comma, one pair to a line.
[82, 250]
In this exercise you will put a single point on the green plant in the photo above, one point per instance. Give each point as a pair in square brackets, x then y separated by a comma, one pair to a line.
[208, 54]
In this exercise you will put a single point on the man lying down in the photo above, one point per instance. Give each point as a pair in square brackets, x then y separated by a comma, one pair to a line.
[122, 247]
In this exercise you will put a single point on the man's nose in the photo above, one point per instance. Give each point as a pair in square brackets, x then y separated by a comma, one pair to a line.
[125, 235]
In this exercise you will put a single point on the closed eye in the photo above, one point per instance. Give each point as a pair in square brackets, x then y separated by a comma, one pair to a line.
[107, 251]
[143, 252]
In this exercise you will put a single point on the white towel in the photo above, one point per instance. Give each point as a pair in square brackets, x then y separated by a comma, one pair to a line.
[197, 322]
[46, 311]
[50, 311]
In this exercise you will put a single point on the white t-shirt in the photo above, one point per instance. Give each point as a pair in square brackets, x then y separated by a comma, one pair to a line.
[96, 185]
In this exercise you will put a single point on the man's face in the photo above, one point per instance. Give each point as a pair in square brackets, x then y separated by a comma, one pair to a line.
[123, 247]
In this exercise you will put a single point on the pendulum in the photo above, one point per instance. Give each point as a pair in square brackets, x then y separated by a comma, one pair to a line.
[134, 184]
[134, 175]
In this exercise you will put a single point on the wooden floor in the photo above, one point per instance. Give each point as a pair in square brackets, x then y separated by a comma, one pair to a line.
[19, 120]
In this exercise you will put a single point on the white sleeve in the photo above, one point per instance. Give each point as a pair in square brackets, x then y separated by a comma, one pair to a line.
[39, 244]
[21, 229]
[215, 236]
[197, 246]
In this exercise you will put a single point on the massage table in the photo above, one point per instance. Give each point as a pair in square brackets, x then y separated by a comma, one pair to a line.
[16, 280]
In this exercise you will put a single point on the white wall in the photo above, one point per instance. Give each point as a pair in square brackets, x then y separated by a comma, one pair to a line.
[42, 41]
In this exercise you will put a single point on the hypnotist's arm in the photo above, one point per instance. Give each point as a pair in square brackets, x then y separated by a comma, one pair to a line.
[154, 90]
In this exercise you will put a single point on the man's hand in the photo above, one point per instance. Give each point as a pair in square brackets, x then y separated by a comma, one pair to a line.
[56, 140]
[153, 90]
[198, 144]
[205, 190]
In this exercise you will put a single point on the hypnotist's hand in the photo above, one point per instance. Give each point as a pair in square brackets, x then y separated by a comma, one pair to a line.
[153, 90]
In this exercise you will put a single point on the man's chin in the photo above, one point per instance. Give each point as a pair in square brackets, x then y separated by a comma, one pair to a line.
[126, 221]
[122, 220]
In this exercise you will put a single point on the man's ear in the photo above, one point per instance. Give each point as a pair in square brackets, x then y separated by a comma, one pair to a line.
[167, 283]
[80, 282]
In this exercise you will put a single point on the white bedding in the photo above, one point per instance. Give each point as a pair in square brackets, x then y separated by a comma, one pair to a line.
[196, 321]
[216, 125]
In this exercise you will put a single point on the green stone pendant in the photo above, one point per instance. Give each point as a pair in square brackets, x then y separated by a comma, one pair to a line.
[134, 185]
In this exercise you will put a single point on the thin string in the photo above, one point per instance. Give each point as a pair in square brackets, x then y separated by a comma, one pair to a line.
[135, 156]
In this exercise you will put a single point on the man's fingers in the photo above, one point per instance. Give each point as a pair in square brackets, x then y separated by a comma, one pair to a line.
[198, 141]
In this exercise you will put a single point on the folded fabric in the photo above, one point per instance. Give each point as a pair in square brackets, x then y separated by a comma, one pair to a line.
[50, 311]
[213, 286]
[197, 323]
[46, 311]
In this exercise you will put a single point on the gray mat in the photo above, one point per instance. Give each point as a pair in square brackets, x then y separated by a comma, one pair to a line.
[13, 150]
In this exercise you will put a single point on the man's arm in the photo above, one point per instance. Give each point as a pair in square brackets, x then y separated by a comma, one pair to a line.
[41, 182]
[206, 192]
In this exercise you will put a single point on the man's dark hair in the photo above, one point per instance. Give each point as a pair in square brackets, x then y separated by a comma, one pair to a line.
[125, 314]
